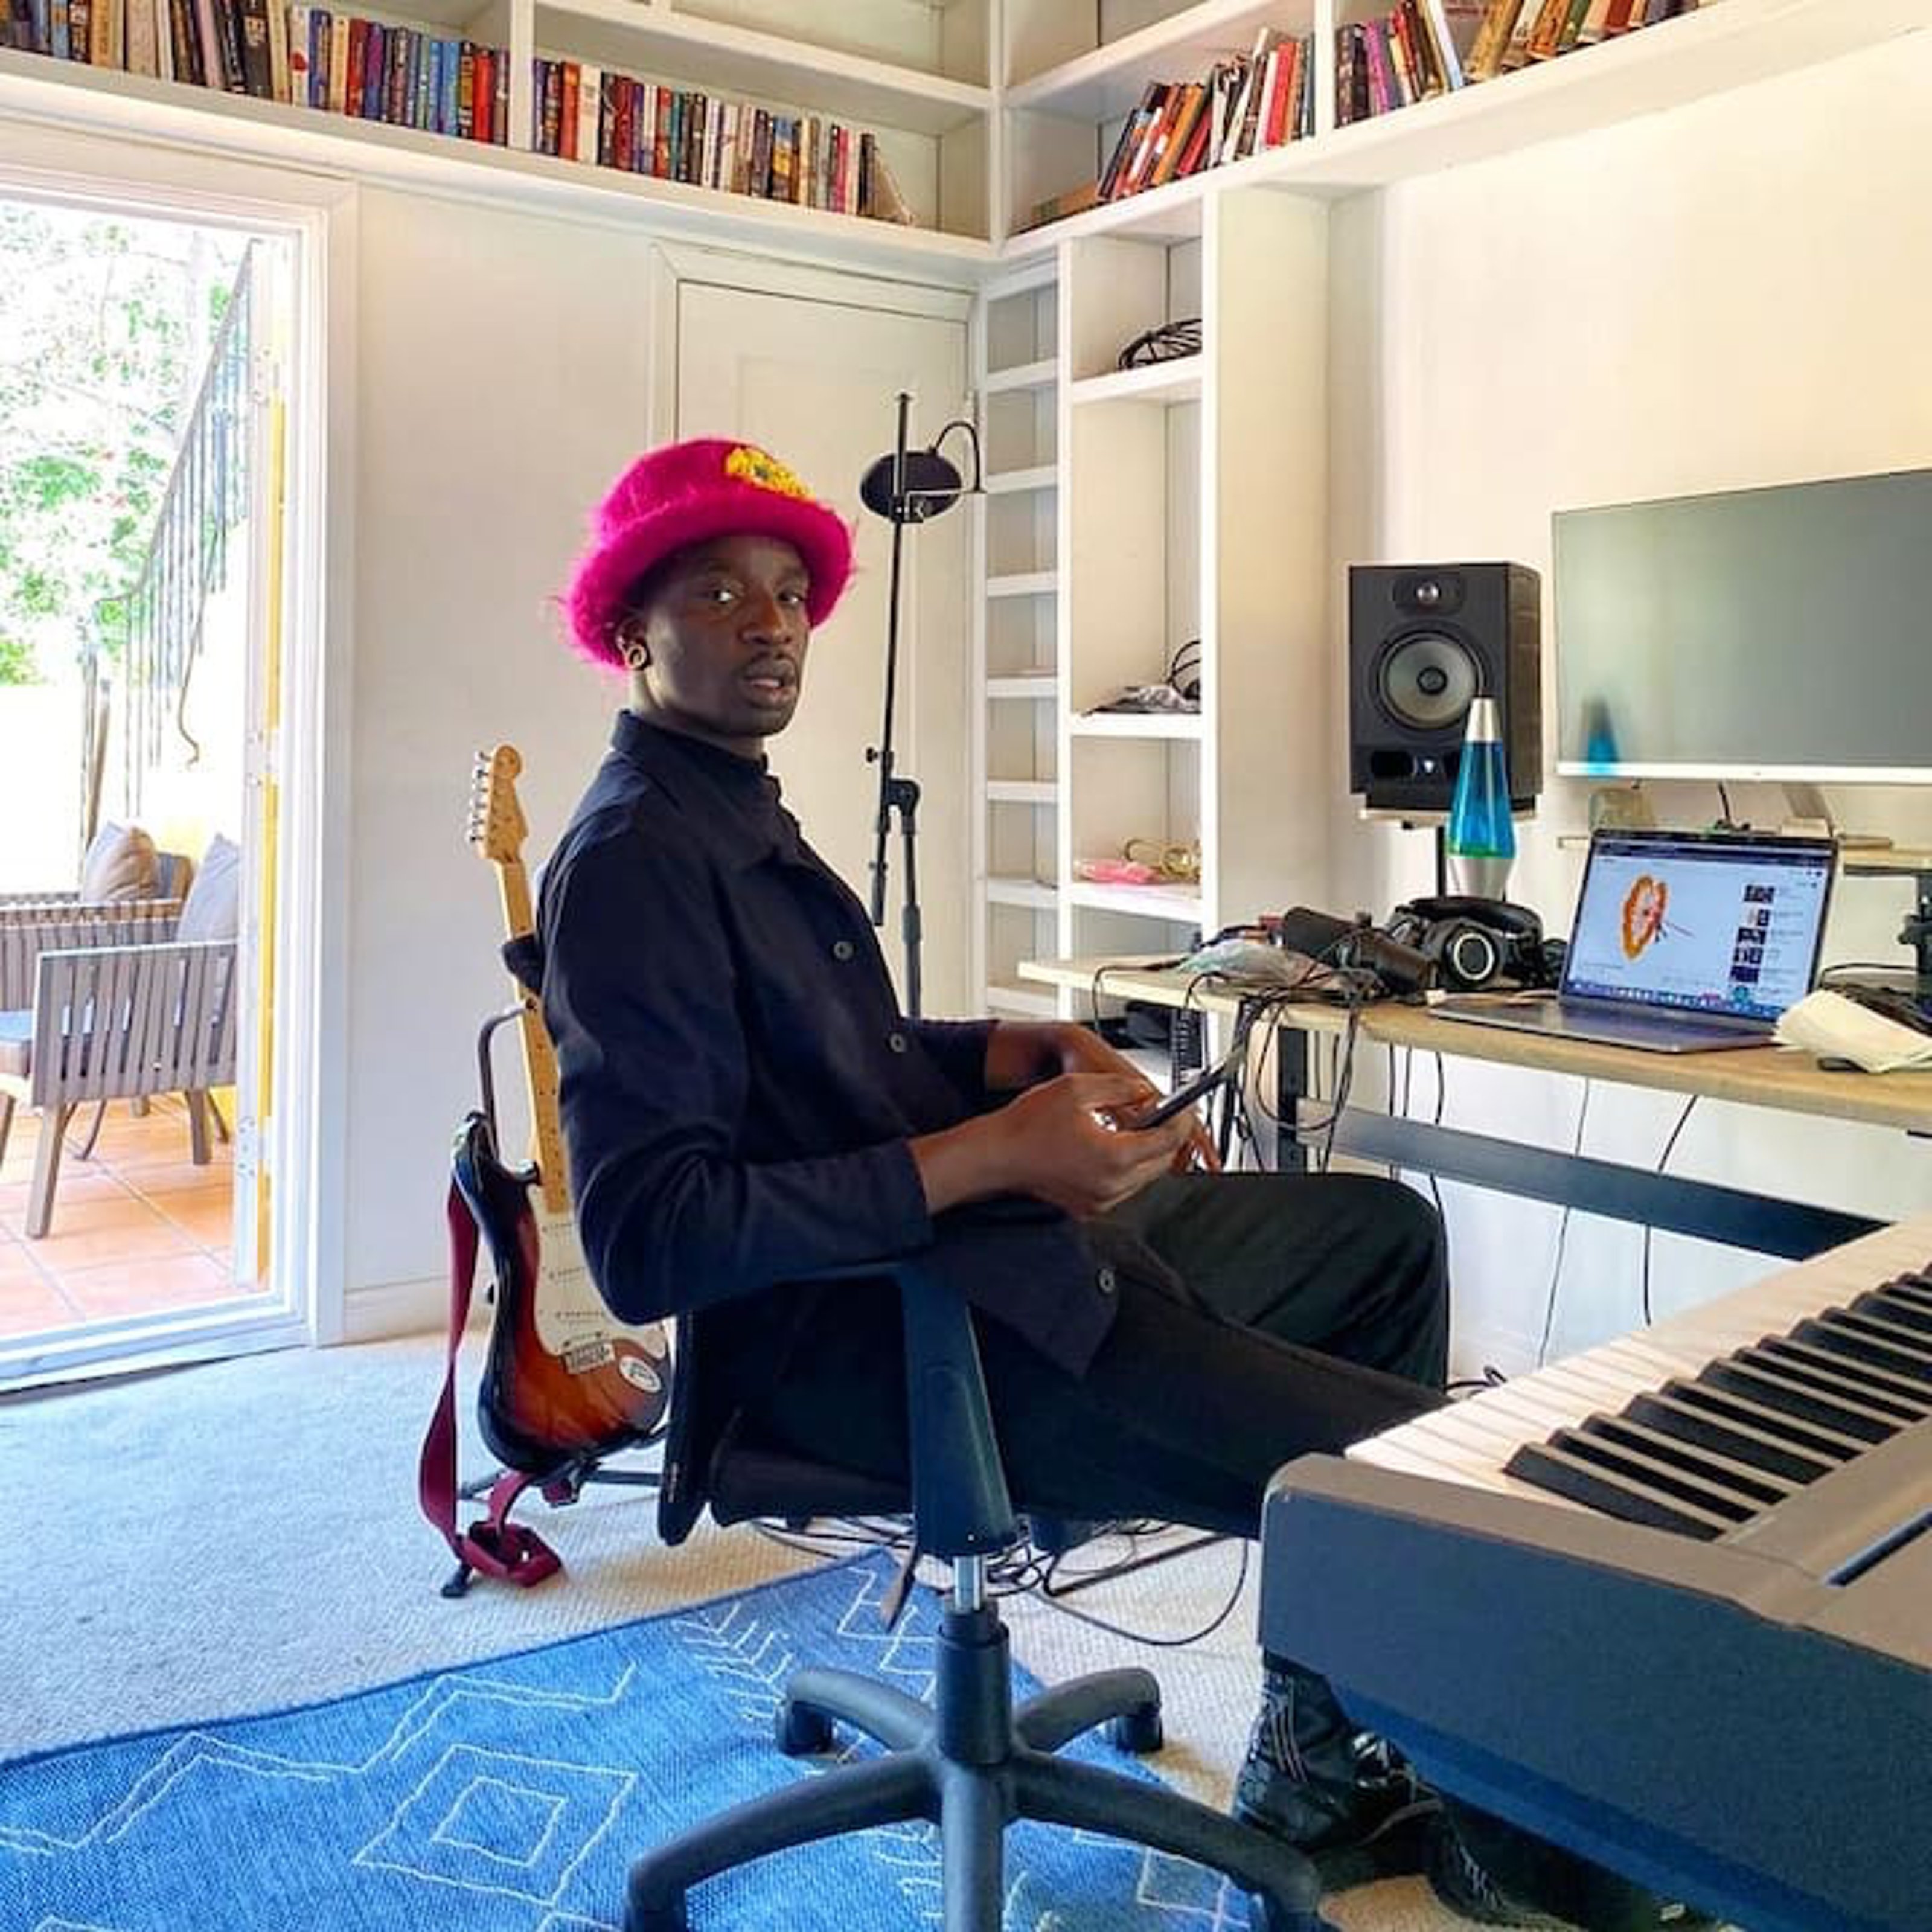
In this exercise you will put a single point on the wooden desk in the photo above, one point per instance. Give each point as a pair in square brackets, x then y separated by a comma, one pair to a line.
[1775, 1077]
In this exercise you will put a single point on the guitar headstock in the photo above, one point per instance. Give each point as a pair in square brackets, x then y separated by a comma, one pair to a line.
[497, 828]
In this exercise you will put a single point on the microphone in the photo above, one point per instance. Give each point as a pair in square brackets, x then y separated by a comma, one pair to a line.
[931, 485]
[1355, 943]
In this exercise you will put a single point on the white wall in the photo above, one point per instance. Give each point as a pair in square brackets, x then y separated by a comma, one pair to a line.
[503, 378]
[1738, 293]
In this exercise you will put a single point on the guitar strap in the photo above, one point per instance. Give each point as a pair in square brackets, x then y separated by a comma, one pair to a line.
[492, 1544]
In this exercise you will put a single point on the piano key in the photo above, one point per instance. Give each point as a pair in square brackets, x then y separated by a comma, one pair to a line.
[1549, 1466]
[1707, 1492]
[1730, 1405]
[1760, 1381]
[1705, 1430]
[1764, 1487]
[1874, 1322]
[1897, 1308]
[1841, 1339]
[1861, 1382]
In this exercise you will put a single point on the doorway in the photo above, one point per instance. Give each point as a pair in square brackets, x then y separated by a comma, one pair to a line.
[812, 371]
[143, 436]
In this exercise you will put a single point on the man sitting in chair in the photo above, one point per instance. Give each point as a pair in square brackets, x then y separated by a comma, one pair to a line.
[744, 1103]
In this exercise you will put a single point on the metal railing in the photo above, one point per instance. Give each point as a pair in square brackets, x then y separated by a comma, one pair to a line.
[187, 559]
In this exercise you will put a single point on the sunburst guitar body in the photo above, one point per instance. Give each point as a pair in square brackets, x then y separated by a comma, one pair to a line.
[565, 1383]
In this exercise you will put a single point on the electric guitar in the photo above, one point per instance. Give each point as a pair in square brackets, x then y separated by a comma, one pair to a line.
[565, 1383]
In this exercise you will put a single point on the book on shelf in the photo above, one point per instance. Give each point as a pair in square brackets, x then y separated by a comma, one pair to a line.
[586, 113]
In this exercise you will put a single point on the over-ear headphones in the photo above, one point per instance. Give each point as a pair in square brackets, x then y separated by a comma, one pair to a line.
[1475, 944]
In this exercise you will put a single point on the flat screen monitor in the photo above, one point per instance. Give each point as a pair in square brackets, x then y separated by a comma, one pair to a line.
[1779, 633]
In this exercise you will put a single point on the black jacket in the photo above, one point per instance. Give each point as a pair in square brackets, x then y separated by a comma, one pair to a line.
[738, 1085]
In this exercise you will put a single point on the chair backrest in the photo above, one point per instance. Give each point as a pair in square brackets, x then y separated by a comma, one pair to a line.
[113, 1022]
[27, 931]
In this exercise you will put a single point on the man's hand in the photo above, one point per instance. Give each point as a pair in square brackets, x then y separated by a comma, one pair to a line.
[1066, 1140]
[1020, 1052]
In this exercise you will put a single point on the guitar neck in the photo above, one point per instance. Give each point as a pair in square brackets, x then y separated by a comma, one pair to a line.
[540, 1076]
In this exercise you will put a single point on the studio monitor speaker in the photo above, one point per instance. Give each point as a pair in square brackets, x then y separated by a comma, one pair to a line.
[1423, 640]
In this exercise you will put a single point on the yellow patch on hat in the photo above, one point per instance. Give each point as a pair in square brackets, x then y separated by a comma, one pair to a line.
[754, 466]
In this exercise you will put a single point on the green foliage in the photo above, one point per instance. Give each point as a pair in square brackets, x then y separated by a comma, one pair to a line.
[104, 326]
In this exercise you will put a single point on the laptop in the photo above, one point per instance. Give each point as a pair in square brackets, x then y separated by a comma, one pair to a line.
[1683, 942]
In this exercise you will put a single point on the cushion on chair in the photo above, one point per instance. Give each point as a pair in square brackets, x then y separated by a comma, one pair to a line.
[16, 1043]
[174, 873]
[119, 864]
[213, 907]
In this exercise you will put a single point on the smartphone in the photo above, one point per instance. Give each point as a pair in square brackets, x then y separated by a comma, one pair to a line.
[1197, 1089]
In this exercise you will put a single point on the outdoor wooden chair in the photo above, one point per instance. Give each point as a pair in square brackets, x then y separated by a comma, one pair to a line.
[117, 1022]
[154, 1014]
[128, 892]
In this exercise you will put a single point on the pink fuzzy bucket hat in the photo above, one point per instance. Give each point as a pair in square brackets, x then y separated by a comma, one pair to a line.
[686, 492]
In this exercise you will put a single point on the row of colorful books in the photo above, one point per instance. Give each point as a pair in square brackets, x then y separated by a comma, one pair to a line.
[1412, 52]
[642, 127]
[1515, 32]
[306, 56]
[1246, 104]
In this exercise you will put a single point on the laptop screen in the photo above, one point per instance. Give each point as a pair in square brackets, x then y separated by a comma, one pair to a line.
[1700, 921]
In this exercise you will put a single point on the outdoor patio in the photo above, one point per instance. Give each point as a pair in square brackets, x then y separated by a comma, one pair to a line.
[137, 1230]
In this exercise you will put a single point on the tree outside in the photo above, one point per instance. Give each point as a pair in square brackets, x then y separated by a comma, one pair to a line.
[105, 323]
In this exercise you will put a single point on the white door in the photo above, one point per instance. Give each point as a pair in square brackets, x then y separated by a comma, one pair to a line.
[816, 383]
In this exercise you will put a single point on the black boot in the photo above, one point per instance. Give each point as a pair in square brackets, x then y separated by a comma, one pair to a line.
[1344, 1798]
[1495, 1874]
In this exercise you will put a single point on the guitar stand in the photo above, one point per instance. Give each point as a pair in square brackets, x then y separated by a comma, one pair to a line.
[506, 1549]
[532, 1559]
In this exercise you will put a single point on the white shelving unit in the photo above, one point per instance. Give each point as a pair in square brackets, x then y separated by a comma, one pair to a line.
[982, 108]
[1016, 754]
[1068, 75]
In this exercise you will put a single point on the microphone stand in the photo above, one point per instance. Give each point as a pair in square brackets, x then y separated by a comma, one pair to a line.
[897, 794]
[908, 486]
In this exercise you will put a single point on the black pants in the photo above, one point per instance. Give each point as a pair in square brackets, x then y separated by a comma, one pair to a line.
[1313, 1310]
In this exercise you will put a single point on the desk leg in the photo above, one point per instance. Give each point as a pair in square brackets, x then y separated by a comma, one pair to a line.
[1291, 1089]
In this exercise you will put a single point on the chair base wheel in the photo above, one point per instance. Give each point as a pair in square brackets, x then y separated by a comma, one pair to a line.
[1138, 1730]
[801, 1731]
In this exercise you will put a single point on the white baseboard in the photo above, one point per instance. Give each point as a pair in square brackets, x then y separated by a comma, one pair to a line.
[375, 1314]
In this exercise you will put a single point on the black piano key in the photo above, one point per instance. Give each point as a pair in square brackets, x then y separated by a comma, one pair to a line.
[1881, 1327]
[1546, 1466]
[1896, 1307]
[1840, 1339]
[1759, 1381]
[1704, 1430]
[1861, 1382]
[1705, 1492]
[1625, 1431]
[1728, 1405]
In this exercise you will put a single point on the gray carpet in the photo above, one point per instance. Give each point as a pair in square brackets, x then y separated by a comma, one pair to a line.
[243, 1536]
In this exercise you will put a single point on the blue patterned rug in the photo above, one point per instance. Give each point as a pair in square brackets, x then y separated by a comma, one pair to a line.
[510, 1796]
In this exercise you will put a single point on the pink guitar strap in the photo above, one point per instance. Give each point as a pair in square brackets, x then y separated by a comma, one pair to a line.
[492, 1545]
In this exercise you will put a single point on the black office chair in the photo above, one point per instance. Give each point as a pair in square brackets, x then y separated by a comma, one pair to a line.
[970, 1762]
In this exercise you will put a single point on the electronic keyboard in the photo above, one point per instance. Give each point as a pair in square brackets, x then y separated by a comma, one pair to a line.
[1668, 1602]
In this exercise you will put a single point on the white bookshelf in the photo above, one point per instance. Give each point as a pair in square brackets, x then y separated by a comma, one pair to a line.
[1071, 74]
[981, 107]
[1015, 763]
[1193, 509]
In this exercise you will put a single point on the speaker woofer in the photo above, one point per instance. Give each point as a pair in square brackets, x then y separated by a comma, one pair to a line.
[1426, 681]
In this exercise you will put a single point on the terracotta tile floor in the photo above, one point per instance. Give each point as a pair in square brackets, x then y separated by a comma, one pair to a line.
[137, 1230]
